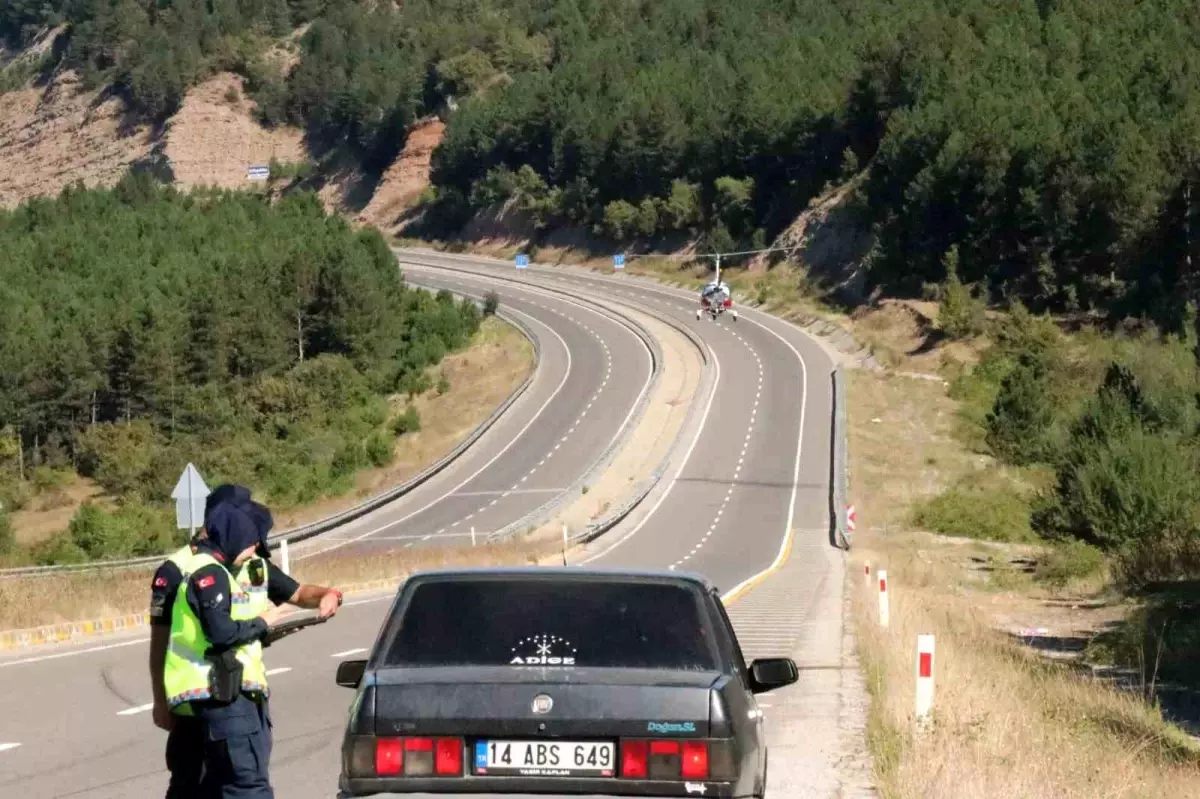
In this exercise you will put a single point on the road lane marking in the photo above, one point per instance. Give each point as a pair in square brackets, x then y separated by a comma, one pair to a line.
[6, 747]
[481, 469]
[129, 711]
[280, 670]
[348, 652]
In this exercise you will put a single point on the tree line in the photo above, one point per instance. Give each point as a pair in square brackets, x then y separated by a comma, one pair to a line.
[144, 328]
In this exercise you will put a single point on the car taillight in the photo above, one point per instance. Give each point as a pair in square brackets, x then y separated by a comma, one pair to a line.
[728, 302]
[670, 759]
[633, 759]
[419, 757]
[449, 759]
[694, 761]
[389, 756]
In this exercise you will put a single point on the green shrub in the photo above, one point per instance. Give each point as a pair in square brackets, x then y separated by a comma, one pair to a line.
[974, 511]
[1068, 560]
[379, 450]
[407, 422]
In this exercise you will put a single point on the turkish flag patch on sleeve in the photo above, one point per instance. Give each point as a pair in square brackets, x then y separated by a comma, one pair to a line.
[206, 582]
[160, 582]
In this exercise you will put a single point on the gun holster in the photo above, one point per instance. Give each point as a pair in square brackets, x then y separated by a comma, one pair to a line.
[226, 677]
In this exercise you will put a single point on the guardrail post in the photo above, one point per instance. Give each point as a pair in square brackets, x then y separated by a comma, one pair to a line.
[883, 598]
[924, 676]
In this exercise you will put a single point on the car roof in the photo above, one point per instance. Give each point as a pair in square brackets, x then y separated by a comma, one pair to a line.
[568, 572]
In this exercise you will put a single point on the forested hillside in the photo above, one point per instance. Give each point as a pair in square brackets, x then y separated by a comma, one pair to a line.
[1049, 141]
[144, 328]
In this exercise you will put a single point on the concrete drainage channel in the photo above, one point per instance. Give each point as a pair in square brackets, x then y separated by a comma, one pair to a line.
[74, 631]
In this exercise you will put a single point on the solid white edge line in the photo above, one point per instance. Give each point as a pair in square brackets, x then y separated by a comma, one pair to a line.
[477, 472]
[72, 653]
[686, 457]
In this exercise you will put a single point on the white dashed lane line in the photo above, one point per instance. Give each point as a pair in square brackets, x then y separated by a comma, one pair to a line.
[516, 487]
[6, 747]
[740, 460]
[348, 652]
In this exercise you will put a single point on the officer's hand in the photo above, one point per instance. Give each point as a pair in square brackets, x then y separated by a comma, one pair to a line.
[162, 716]
[271, 614]
[329, 604]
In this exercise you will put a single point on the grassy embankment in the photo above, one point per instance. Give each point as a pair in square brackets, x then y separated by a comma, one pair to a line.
[481, 376]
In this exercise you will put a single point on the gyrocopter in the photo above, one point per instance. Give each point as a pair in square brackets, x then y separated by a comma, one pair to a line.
[715, 298]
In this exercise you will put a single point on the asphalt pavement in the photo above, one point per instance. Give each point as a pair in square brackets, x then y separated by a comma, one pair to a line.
[752, 485]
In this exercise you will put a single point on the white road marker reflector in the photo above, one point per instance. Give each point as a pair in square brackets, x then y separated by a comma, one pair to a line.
[924, 675]
[883, 598]
[6, 747]
[280, 670]
[348, 652]
[129, 711]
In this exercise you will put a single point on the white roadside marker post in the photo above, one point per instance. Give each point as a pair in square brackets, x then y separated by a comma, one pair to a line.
[883, 598]
[472, 535]
[283, 555]
[564, 543]
[924, 676]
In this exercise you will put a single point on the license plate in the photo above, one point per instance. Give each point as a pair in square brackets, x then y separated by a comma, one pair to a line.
[546, 758]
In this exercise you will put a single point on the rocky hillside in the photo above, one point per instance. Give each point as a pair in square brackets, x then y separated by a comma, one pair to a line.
[54, 131]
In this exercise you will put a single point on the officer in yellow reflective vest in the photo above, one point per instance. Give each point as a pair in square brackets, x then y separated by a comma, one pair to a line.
[214, 670]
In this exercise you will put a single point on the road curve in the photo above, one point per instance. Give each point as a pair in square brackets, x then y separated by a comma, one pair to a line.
[753, 484]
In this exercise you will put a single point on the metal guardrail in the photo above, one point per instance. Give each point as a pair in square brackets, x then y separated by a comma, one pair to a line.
[316, 528]
[839, 478]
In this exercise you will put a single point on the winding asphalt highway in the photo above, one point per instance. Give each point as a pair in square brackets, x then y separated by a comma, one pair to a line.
[750, 486]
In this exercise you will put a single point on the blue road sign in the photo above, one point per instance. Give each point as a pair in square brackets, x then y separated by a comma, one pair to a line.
[619, 261]
[522, 261]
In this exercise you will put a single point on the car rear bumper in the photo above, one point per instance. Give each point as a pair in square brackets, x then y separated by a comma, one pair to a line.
[535, 788]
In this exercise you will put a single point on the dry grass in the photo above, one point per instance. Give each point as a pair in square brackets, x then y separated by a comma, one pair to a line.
[1007, 722]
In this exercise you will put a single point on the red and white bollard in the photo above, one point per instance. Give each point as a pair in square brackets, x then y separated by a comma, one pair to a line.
[883, 598]
[924, 676]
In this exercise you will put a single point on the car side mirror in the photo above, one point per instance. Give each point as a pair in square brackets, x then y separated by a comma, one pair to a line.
[350, 673]
[767, 674]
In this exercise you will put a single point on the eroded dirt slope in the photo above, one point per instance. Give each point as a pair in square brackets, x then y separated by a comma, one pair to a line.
[214, 139]
[52, 136]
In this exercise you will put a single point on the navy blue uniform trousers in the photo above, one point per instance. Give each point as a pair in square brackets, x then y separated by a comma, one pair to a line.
[185, 757]
[236, 742]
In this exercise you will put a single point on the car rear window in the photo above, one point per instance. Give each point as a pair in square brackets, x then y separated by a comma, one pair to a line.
[554, 623]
